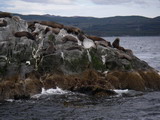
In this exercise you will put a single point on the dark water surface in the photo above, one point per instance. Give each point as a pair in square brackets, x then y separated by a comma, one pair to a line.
[131, 105]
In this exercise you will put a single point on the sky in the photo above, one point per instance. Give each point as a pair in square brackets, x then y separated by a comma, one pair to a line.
[92, 8]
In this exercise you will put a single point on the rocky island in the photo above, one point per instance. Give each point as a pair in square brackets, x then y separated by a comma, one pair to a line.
[45, 54]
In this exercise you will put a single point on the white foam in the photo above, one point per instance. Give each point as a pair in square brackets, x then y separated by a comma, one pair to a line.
[120, 92]
[9, 100]
[57, 91]
[53, 91]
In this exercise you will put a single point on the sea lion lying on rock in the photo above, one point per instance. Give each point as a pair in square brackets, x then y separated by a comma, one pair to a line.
[103, 43]
[69, 38]
[5, 14]
[99, 41]
[81, 36]
[124, 56]
[95, 38]
[115, 44]
[51, 24]
[24, 34]
[31, 25]
[53, 30]
[3, 23]
[71, 29]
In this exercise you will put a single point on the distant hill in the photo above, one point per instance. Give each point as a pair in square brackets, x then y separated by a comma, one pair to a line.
[111, 26]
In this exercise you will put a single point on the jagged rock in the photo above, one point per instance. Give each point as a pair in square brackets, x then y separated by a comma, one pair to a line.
[62, 56]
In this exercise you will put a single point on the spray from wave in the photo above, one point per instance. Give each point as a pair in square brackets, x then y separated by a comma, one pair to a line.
[57, 91]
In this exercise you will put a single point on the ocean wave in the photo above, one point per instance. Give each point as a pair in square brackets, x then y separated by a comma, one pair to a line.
[51, 91]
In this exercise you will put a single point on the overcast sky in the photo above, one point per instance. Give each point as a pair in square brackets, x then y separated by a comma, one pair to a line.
[95, 8]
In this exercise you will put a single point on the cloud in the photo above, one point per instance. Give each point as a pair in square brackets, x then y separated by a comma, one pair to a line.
[50, 1]
[117, 2]
[110, 2]
[96, 8]
[23, 7]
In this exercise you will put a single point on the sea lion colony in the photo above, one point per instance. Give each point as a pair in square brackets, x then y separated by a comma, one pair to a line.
[55, 28]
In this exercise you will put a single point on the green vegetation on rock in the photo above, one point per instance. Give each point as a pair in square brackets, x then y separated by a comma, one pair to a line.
[96, 60]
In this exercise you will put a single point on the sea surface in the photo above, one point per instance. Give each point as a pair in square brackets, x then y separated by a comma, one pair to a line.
[57, 104]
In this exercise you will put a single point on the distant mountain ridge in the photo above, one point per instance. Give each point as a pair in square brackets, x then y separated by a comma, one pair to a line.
[110, 26]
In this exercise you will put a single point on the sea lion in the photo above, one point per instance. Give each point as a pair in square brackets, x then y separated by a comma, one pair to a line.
[99, 40]
[53, 30]
[74, 30]
[128, 51]
[31, 25]
[35, 34]
[115, 44]
[24, 34]
[81, 37]
[69, 38]
[5, 14]
[95, 38]
[3, 23]
[124, 56]
[103, 43]
[51, 24]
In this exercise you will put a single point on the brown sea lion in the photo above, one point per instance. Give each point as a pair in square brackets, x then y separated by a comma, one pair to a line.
[52, 24]
[54, 30]
[95, 38]
[24, 34]
[103, 43]
[69, 38]
[31, 25]
[99, 40]
[81, 37]
[71, 29]
[128, 51]
[115, 44]
[5, 14]
[124, 56]
[35, 34]
[3, 23]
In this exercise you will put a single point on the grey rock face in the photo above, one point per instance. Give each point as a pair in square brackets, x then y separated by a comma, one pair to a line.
[56, 52]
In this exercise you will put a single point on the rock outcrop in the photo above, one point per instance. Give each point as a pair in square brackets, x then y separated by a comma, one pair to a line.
[47, 54]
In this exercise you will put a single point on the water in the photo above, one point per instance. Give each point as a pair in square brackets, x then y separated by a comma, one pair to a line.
[56, 104]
